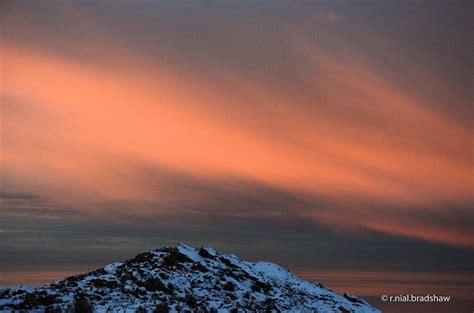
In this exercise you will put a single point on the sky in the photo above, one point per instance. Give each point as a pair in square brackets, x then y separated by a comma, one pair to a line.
[321, 135]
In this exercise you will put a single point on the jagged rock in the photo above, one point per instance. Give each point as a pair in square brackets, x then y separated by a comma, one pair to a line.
[181, 279]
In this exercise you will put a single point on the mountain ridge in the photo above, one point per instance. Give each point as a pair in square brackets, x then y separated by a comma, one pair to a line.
[181, 279]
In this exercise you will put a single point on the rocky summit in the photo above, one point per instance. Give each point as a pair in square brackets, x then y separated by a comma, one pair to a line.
[181, 279]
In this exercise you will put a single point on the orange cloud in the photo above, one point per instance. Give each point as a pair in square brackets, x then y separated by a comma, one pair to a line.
[66, 126]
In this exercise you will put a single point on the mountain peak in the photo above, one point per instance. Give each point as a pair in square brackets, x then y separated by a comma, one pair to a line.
[179, 279]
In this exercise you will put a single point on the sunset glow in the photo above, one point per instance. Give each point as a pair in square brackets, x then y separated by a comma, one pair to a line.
[84, 125]
[325, 136]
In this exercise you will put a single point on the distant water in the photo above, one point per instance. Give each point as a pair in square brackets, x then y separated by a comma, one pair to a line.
[369, 285]
[372, 285]
[35, 278]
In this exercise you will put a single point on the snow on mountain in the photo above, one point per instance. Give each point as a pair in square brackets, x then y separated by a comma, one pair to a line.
[181, 279]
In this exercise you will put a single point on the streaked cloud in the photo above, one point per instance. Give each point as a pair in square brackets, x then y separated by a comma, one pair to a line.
[235, 113]
[353, 138]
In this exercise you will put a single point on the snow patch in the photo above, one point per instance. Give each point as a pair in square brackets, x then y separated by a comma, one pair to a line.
[202, 281]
